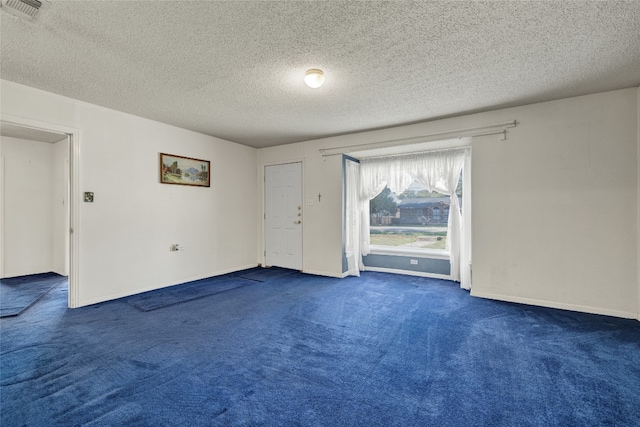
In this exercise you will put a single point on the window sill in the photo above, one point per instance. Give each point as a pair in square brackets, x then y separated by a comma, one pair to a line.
[418, 253]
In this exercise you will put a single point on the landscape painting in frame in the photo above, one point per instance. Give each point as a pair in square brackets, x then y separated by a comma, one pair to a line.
[184, 170]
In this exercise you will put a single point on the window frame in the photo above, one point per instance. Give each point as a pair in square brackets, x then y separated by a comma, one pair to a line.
[416, 253]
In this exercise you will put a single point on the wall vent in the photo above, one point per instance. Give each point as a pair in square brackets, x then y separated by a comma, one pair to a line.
[25, 9]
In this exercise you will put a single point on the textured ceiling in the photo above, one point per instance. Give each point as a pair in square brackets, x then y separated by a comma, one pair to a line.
[21, 132]
[234, 69]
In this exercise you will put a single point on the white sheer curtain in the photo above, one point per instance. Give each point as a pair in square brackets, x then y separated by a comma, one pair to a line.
[438, 171]
[352, 218]
[375, 174]
[465, 242]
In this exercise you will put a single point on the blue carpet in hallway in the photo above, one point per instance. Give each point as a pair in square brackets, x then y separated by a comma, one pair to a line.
[380, 350]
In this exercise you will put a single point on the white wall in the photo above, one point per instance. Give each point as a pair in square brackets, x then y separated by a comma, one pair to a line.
[35, 207]
[27, 206]
[124, 236]
[555, 207]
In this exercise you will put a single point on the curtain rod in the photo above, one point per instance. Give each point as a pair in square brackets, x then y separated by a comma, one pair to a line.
[459, 133]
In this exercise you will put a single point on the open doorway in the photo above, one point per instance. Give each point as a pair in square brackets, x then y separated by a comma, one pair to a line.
[36, 193]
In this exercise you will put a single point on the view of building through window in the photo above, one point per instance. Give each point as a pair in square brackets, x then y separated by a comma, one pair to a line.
[414, 219]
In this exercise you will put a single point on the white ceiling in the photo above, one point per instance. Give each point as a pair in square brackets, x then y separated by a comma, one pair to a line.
[22, 132]
[234, 69]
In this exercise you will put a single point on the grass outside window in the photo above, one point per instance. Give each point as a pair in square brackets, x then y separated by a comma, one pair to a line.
[410, 238]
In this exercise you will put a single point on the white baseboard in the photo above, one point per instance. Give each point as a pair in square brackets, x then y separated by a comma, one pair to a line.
[408, 273]
[118, 295]
[559, 305]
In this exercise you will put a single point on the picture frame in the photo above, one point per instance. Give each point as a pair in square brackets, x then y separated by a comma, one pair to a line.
[181, 170]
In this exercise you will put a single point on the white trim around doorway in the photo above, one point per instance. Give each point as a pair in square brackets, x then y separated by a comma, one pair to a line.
[74, 194]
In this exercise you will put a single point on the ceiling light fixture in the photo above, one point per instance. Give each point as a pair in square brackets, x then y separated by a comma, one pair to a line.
[314, 78]
[25, 9]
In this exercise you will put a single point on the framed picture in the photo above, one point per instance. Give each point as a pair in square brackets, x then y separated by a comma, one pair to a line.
[184, 170]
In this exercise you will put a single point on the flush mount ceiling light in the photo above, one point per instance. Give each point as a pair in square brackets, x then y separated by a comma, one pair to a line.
[25, 9]
[314, 78]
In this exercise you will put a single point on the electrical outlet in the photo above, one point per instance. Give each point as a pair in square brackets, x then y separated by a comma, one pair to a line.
[414, 262]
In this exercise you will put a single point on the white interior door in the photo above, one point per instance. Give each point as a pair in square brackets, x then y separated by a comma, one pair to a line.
[283, 215]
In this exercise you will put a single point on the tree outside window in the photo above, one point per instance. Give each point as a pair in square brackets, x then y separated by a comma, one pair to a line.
[415, 219]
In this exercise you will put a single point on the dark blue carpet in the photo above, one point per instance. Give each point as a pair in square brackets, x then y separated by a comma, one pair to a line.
[19, 293]
[186, 292]
[263, 274]
[380, 350]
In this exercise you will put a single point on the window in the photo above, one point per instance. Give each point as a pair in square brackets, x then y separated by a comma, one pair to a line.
[421, 234]
[413, 221]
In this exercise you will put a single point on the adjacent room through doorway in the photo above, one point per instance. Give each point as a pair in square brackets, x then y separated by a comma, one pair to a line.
[35, 214]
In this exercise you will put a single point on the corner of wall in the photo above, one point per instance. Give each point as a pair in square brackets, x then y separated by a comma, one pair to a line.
[638, 199]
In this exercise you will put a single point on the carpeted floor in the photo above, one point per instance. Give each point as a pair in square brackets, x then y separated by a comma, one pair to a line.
[300, 350]
[161, 298]
[18, 294]
[265, 274]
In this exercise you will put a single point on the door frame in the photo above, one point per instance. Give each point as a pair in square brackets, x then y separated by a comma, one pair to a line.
[73, 135]
[263, 253]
